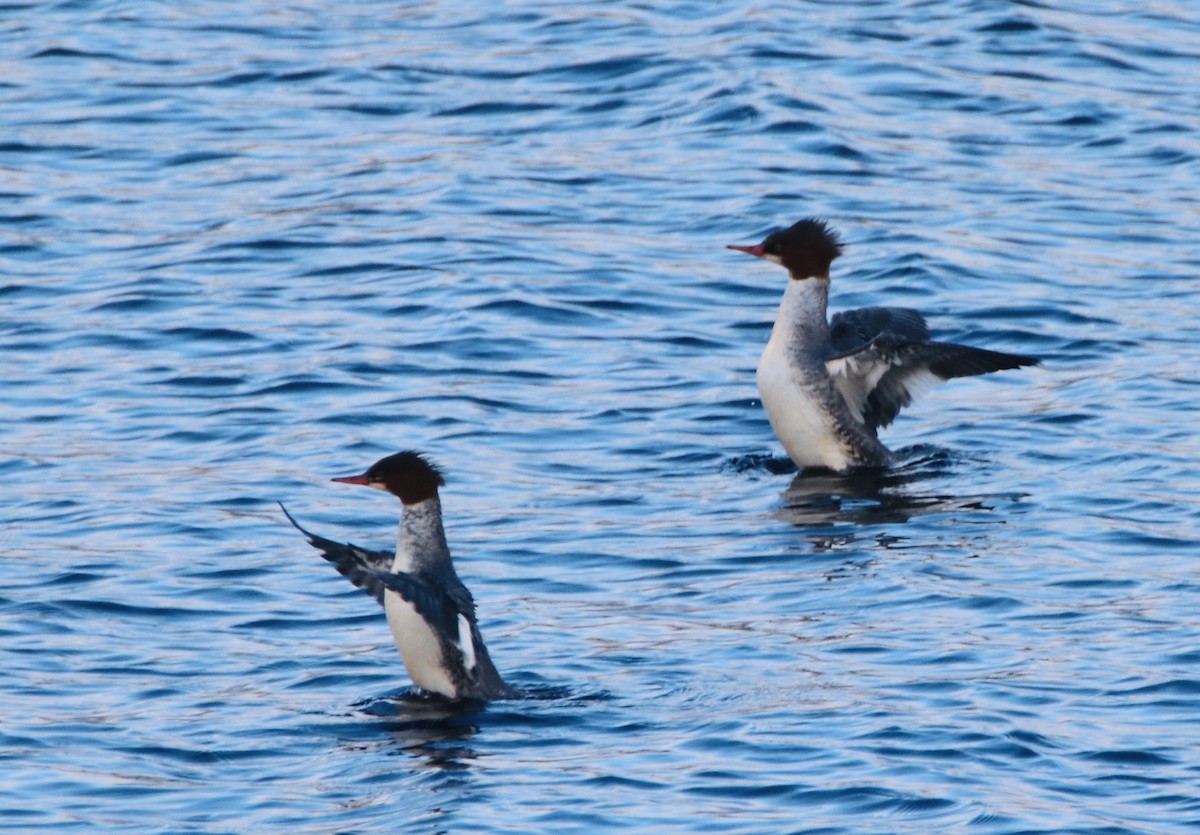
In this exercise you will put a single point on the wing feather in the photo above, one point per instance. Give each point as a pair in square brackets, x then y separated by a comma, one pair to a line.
[888, 374]
[354, 563]
[851, 330]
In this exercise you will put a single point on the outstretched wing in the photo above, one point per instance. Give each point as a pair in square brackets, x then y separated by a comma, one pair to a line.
[889, 373]
[355, 564]
[441, 608]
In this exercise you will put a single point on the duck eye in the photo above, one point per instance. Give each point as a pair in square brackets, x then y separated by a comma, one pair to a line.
[771, 248]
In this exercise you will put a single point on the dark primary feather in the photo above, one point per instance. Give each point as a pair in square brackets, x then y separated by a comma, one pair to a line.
[357, 565]
[906, 365]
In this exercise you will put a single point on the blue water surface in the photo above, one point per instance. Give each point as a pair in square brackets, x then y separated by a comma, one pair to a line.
[245, 247]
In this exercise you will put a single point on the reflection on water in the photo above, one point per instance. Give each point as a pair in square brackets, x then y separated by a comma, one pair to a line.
[437, 730]
[876, 496]
[428, 727]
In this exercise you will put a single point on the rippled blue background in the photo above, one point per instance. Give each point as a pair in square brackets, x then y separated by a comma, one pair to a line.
[245, 247]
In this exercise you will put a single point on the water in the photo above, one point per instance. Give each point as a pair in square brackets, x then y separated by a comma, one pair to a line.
[247, 247]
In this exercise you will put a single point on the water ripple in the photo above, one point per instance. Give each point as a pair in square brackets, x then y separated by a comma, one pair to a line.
[249, 248]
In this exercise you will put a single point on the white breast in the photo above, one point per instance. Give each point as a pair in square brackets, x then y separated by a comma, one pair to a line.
[419, 647]
[806, 431]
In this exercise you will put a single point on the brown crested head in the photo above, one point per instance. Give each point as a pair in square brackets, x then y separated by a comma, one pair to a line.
[407, 475]
[806, 248]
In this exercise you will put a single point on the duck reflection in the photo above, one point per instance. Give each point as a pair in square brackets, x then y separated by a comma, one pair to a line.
[432, 729]
[875, 496]
[436, 732]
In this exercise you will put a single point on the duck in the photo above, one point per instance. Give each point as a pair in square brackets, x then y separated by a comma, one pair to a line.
[828, 385]
[429, 610]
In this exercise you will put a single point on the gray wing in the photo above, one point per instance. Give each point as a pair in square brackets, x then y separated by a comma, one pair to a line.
[883, 377]
[355, 564]
[850, 330]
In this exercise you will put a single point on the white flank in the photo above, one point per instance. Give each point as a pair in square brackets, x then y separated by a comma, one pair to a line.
[465, 643]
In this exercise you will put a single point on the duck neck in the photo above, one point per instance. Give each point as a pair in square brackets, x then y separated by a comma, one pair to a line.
[421, 540]
[801, 322]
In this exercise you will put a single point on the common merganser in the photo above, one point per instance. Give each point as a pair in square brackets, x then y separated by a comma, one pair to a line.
[430, 612]
[828, 387]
